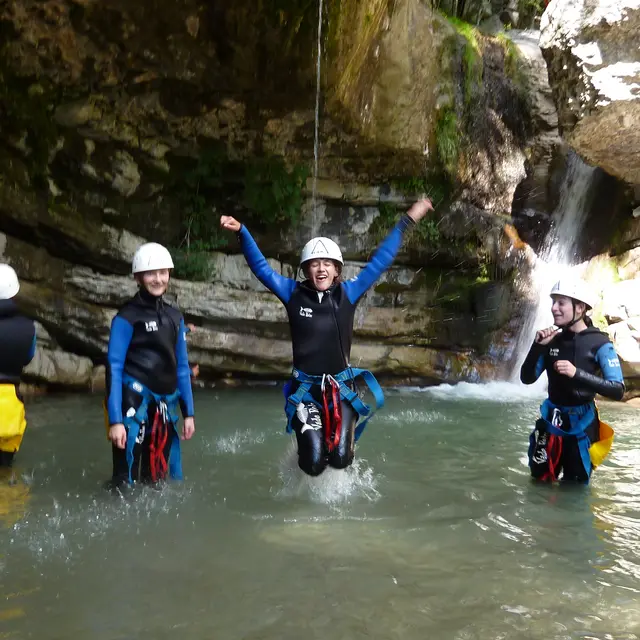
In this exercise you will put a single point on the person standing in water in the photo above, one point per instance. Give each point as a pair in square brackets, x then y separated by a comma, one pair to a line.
[580, 361]
[322, 406]
[148, 376]
[17, 348]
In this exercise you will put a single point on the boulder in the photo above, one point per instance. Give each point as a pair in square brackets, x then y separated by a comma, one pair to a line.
[627, 344]
[592, 52]
[53, 365]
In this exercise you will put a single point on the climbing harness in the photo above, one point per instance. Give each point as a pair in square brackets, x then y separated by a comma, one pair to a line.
[580, 418]
[306, 382]
[165, 420]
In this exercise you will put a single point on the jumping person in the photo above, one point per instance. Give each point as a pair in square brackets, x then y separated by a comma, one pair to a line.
[148, 376]
[322, 406]
[580, 361]
[17, 348]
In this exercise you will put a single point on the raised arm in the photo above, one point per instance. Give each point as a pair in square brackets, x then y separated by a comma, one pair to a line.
[280, 285]
[385, 253]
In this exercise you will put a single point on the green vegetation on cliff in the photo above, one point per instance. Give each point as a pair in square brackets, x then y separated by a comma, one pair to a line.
[271, 193]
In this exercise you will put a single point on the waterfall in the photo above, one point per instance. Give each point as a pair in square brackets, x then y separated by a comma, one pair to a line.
[316, 136]
[558, 253]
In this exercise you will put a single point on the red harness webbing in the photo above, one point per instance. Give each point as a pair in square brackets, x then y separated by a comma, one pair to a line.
[159, 437]
[332, 418]
[554, 453]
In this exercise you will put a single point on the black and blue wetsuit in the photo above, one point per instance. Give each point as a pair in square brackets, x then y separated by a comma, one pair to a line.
[17, 349]
[321, 325]
[570, 405]
[146, 362]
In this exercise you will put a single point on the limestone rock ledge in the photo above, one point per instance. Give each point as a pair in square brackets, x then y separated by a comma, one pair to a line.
[417, 323]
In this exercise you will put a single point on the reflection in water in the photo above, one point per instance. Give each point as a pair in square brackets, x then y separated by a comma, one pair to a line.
[435, 532]
[617, 509]
[14, 497]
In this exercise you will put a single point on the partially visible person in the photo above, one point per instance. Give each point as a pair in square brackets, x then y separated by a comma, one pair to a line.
[580, 362]
[148, 377]
[193, 367]
[17, 348]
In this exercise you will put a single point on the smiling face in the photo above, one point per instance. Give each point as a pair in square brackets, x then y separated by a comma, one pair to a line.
[155, 282]
[562, 310]
[321, 273]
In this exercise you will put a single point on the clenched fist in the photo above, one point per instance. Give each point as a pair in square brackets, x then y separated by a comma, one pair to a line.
[545, 336]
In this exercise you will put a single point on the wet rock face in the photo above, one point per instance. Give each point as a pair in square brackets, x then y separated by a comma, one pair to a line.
[110, 110]
[416, 323]
[593, 54]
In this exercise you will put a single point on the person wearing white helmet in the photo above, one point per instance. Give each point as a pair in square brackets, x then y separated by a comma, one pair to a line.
[322, 406]
[148, 377]
[17, 349]
[580, 362]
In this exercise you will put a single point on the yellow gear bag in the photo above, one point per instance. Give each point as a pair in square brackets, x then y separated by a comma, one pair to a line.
[598, 451]
[12, 419]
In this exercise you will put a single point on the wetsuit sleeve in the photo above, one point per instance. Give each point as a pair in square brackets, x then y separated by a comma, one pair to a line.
[184, 373]
[382, 259]
[612, 384]
[280, 285]
[119, 339]
[533, 364]
[32, 351]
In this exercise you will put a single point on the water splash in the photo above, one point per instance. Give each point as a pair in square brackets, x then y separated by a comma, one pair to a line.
[238, 442]
[557, 256]
[412, 416]
[63, 529]
[316, 137]
[495, 391]
[333, 487]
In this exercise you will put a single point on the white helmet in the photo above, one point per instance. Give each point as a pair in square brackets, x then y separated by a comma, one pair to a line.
[151, 256]
[576, 289]
[318, 248]
[9, 284]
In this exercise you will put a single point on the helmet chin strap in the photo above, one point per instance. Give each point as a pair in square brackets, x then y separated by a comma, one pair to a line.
[575, 320]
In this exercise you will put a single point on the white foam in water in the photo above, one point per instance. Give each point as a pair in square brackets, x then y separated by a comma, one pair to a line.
[332, 487]
[412, 416]
[238, 441]
[496, 391]
[62, 529]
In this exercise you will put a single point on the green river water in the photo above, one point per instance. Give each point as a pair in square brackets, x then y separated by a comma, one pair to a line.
[435, 532]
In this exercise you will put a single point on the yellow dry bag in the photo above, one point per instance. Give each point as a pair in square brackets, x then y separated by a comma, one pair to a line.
[598, 451]
[12, 419]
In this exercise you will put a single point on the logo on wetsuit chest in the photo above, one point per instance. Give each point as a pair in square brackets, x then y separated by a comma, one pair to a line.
[554, 353]
[151, 326]
[305, 312]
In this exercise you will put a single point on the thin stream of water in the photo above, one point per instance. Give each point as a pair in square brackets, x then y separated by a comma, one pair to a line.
[558, 253]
